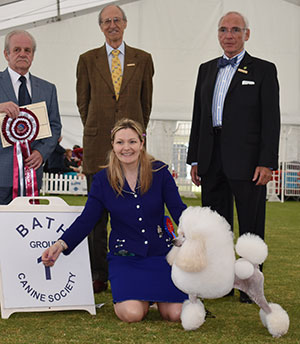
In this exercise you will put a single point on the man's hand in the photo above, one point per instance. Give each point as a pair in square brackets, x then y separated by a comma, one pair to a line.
[262, 175]
[10, 108]
[34, 160]
[194, 175]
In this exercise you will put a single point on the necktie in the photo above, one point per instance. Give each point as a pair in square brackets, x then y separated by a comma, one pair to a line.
[225, 62]
[116, 72]
[24, 97]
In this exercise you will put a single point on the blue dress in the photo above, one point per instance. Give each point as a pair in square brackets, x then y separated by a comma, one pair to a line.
[138, 244]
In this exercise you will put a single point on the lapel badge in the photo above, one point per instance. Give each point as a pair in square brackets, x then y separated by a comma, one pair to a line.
[243, 70]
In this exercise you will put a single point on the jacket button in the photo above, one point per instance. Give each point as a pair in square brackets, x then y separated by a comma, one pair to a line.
[138, 206]
[146, 242]
[140, 219]
[143, 230]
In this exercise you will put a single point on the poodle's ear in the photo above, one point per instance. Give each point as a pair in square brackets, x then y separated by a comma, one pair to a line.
[192, 256]
[171, 256]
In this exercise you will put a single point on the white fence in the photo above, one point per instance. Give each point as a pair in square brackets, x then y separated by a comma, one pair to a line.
[64, 184]
[168, 141]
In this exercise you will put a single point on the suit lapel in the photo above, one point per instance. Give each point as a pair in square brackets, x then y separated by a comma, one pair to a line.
[35, 89]
[245, 65]
[103, 67]
[130, 66]
[213, 77]
[7, 86]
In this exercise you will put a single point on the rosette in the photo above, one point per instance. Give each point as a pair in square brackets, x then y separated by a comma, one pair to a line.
[23, 128]
[19, 132]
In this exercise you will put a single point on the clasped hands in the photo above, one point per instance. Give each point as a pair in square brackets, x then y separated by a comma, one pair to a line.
[262, 175]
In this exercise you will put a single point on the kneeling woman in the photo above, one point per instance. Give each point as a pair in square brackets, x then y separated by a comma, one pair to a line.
[134, 188]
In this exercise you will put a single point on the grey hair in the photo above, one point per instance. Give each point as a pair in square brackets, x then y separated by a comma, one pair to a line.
[18, 32]
[245, 20]
[122, 11]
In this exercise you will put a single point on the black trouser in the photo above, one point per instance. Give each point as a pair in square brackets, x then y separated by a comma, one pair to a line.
[219, 192]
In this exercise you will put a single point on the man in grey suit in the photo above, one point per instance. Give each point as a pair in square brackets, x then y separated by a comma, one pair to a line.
[19, 52]
[100, 106]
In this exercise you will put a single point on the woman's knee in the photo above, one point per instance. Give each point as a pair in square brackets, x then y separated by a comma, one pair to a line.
[131, 311]
[170, 311]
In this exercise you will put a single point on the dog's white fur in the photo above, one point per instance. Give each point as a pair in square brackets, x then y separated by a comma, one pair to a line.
[277, 322]
[203, 265]
[211, 276]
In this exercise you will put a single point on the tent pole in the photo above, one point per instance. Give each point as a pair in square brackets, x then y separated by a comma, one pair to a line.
[58, 10]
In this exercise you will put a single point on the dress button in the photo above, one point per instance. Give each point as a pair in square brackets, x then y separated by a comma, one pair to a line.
[138, 206]
[140, 219]
[146, 242]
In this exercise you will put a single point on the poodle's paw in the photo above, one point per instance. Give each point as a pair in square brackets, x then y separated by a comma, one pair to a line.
[277, 322]
[192, 315]
[252, 248]
[243, 268]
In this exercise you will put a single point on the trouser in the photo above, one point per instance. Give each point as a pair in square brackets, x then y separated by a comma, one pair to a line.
[97, 241]
[219, 192]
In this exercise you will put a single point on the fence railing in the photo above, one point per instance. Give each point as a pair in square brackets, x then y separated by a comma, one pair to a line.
[285, 184]
[64, 184]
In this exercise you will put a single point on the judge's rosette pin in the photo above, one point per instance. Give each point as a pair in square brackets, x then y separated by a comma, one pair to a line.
[20, 132]
[169, 228]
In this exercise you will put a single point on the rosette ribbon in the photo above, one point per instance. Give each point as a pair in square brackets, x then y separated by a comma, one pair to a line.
[169, 228]
[20, 132]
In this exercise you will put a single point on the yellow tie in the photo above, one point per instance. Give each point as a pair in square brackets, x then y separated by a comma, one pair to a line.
[116, 72]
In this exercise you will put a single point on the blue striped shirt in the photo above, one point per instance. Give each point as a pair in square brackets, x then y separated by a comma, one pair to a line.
[223, 81]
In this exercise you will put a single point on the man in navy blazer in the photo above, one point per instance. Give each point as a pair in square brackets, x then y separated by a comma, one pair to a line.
[19, 52]
[235, 130]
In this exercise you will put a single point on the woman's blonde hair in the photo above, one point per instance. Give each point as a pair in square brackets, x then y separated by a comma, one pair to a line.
[114, 169]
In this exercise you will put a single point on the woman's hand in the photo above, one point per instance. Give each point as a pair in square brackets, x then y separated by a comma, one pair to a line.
[51, 254]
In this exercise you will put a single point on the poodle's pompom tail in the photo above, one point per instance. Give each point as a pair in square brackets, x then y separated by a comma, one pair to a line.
[243, 269]
[192, 315]
[252, 248]
[277, 322]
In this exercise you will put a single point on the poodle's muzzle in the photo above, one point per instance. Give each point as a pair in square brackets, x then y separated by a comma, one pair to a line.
[178, 241]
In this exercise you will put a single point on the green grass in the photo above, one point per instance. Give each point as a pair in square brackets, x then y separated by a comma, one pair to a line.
[235, 323]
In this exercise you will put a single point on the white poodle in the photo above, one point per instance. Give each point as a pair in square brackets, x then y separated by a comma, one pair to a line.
[204, 266]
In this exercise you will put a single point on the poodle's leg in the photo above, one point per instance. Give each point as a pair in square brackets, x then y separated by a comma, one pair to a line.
[277, 322]
[193, 298]
[193, 313]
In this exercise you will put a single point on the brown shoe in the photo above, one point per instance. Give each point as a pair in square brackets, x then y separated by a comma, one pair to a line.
[99, 286]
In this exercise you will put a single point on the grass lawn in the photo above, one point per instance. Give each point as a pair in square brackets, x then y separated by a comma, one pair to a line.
[235, 323]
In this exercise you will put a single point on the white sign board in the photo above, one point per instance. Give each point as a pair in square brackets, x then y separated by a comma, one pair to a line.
[26, 284]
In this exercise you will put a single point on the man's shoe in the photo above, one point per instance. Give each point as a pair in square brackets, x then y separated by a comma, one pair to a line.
[244, 298]
[231, 293]
[208, 314]
[99, 286]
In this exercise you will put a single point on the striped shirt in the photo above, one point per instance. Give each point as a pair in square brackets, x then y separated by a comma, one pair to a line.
[223, 81]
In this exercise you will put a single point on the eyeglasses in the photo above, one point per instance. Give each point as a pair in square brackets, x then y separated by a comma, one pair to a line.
[108, 21]
[234, 30]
